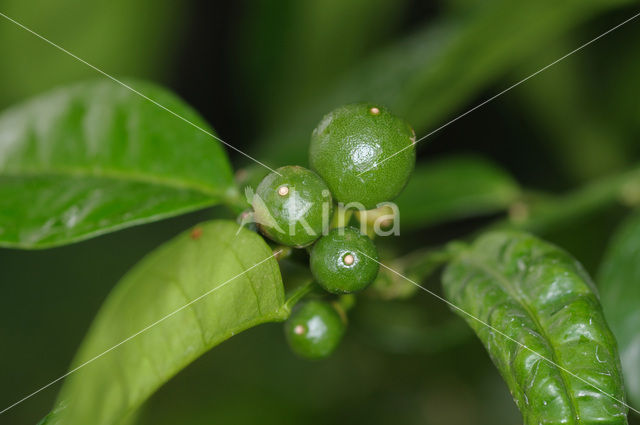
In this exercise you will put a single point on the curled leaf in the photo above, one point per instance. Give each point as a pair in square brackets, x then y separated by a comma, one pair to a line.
[534, 293]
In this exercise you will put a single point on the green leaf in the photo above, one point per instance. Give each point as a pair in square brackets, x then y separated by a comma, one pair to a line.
[427, 76]
[538, 295]
[212, 255]
[109, 35]
[454, 188]
[619, 279]
[95, 157]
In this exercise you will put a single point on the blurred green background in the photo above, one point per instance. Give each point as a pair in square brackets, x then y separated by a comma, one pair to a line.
[263, 73]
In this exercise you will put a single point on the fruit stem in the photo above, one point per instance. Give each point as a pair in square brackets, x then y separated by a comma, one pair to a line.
[341, 217]
[346, 302]
[282, 252]
[297, 294]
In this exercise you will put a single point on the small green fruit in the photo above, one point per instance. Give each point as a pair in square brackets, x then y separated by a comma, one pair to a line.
[314, 330]
[344, 261]
[292, 207]
[364, 153]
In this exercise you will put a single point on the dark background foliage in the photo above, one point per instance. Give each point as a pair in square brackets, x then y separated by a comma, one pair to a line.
[252, 69]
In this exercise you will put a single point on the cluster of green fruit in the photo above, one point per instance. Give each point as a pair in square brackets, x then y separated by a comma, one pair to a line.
[361, 155]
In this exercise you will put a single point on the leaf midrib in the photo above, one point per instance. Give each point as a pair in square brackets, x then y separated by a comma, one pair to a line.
[513, 293]
[120, 175]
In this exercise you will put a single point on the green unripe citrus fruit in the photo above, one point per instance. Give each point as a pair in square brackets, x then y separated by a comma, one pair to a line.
[292, 206]
[314, 330]
[364, 153]
[344, 261]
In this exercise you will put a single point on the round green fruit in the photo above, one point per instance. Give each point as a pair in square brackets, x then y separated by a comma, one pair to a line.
[344, 261]
[314, 330]
[291, 207]
[364, 153]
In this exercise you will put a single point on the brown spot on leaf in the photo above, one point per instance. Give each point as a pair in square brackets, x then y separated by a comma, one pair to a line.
[196, 233]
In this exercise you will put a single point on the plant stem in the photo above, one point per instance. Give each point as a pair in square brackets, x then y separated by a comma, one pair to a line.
[347, 301]
[417, 266]
[297, 294]
[422, 264]
[341, 217]
[623, 188]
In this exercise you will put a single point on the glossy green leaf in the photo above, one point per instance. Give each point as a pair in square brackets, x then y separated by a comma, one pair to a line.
[427, 76]
[453, 188]
[211, 255]
[540, 296]
[95, 157]
[109, 35]
[619, 283]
